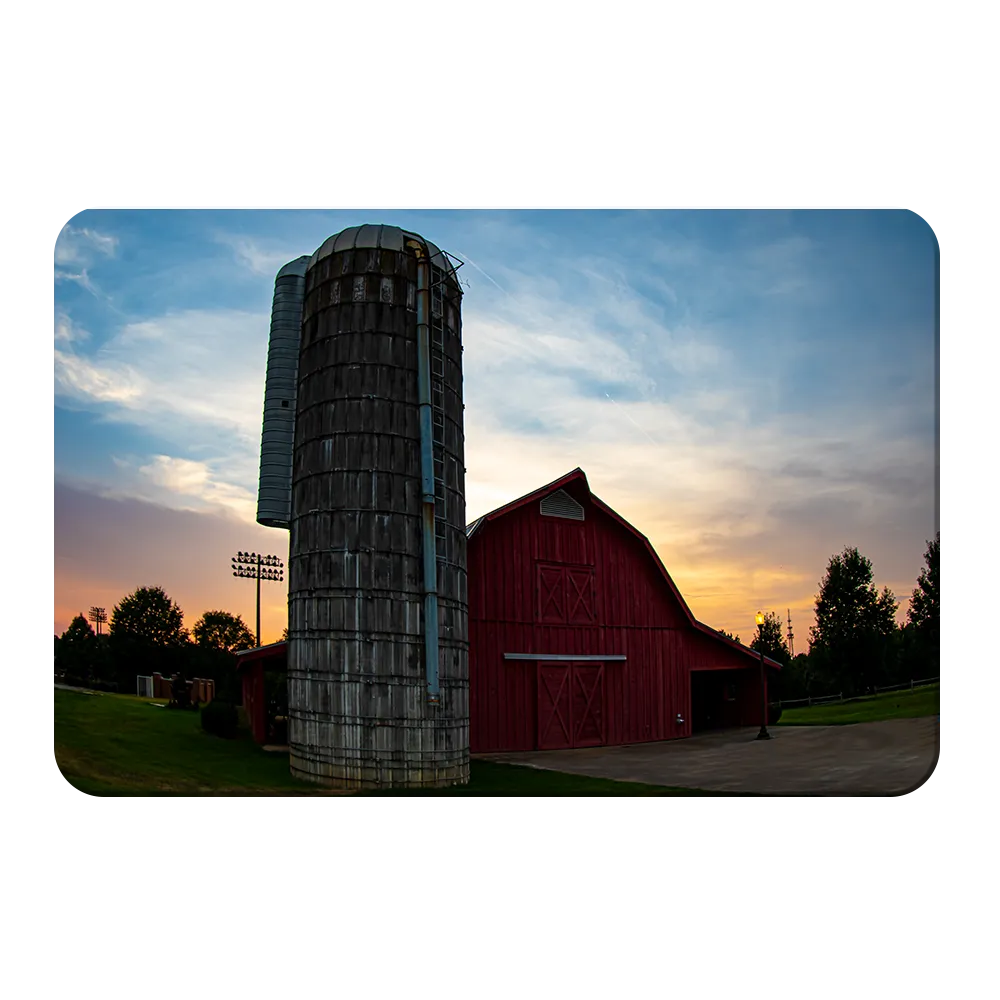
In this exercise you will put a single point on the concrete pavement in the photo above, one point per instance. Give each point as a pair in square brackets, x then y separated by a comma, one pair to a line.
[869, 758]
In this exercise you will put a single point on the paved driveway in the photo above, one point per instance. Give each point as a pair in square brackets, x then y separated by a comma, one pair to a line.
[868, 758]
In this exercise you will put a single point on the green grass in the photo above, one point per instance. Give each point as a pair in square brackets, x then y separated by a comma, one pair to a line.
[891, 705]
[112, 744]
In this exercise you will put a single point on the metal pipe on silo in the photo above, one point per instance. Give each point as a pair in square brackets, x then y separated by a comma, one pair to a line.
[427, 471]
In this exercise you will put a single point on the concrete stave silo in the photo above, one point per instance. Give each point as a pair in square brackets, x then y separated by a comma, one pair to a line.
[377, 482]
[275, 489]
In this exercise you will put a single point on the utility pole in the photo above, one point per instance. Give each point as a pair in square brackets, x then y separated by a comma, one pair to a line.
[253, 566]
[791, 647]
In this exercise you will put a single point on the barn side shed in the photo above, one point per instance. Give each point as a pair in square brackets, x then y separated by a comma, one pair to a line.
[579, 637]
[255, 667]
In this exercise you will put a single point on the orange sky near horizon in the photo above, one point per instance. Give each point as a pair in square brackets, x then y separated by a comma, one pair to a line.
[126, 543]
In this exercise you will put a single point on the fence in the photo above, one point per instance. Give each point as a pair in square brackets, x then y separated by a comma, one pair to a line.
[200, 689]
[824, 699]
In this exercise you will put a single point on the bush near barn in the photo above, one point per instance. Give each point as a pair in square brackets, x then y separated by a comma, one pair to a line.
[220, 719]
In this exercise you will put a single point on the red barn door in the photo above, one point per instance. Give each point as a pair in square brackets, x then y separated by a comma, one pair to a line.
[555, 704]
[570, 705]
[588, 704]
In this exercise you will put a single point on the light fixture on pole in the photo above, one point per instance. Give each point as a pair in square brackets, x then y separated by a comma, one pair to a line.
[98, 616]
[763, 734]
[254, 566]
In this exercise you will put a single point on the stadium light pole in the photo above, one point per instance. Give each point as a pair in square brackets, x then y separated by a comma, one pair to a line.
[98, 616]
[763, 734]
[252, 565]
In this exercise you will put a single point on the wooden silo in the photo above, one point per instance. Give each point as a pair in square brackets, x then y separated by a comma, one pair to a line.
[378, 620]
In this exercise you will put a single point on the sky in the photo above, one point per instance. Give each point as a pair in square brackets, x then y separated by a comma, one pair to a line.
[753, 390]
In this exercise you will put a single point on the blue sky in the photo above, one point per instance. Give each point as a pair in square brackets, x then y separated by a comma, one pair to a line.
[754, 390]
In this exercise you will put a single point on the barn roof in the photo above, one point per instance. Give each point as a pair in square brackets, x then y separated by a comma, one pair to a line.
[579, 476]
[271, 650]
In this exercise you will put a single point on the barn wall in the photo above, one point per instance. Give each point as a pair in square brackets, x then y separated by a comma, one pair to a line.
[252, 677]
[707, 653]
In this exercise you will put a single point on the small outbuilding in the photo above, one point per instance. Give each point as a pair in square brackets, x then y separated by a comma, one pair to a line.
[263, 671]
[579, 637]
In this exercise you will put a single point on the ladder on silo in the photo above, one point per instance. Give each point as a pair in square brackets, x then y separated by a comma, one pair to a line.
[437, 408]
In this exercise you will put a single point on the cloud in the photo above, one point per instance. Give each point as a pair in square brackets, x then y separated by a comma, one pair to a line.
[733, 509]
[83, 280]
[265, 261]
[195, 380]
[77, 251]
[79, 379]
[198, 481]
[67, 332]
[81, 247]
[187, 376]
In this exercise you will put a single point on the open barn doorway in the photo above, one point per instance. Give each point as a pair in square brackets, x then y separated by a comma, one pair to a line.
[717, 699]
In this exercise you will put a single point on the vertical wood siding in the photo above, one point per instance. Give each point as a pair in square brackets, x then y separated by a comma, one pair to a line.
[512, 560]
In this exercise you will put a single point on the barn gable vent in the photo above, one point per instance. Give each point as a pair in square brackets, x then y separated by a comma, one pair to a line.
[561, 504]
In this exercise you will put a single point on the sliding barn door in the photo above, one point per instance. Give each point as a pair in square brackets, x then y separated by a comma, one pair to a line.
[570, 705]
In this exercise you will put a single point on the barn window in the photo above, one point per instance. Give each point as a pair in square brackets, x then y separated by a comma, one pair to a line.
[565, 594]
[551, 596]
[561, 504]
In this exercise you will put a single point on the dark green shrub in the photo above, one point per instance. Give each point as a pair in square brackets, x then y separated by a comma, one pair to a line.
[220, 719]
[773, 714]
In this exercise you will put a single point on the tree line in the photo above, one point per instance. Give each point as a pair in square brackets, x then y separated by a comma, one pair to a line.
[146, 635]
[856, 644]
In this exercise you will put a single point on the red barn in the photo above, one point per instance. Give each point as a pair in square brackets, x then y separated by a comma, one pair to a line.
[578, 636]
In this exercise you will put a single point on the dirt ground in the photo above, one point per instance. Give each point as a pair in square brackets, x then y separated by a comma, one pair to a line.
[870, 758]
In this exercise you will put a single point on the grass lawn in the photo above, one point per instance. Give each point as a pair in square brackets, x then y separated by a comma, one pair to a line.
[113, 744]
[891, 705]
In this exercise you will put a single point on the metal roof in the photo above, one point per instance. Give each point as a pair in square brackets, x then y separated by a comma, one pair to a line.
[578, 475]
[296, 267]
[272, 649]
[383, 237]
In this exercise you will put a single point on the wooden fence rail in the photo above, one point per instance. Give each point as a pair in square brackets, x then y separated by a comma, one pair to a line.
[823, 699]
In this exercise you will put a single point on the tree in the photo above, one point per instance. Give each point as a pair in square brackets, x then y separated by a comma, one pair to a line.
[146, 635]
[923, 617]
[729, 635]
[795, 681]
[222, 631]
[770, 640]
[76, 655]
[218, 635]
[854, 625]
[148, 614]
